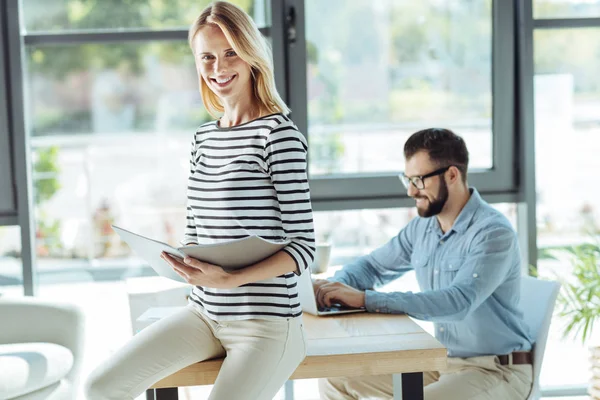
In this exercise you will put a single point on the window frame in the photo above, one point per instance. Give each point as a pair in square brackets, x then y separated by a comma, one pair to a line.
[343, 192]
[8, 206]
[530, 24]
[384, 190]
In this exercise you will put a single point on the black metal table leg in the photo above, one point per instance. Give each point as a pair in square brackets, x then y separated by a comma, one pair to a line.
[162, 394]
[408, 386]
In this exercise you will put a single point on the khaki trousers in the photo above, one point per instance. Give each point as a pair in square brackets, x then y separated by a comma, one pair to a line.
[475, 378]
[261, 355]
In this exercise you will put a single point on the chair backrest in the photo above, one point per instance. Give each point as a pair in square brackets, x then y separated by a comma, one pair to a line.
[537, 303]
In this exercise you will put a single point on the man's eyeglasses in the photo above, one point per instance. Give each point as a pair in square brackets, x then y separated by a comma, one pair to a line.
[419, 181]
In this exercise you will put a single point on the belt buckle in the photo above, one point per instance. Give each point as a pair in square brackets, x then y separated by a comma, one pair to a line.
[505, 359]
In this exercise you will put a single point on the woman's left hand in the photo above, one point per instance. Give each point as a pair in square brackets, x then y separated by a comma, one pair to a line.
[199, 273]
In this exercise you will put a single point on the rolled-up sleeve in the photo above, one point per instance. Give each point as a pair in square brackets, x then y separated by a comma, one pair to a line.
[489, 261]
[286, 157]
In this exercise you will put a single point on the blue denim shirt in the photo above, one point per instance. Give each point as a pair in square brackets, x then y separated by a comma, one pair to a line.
[469, 279]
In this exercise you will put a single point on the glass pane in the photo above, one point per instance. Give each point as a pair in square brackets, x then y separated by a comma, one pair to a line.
[567, 121]
[566, 8]
[413, 65]
[111, 89]
[357, 232]
[82, 187]
[74, 15]
[111, 127]
[11, 262]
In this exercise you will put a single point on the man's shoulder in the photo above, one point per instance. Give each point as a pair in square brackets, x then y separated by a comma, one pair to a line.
[490, 223]
[492, 218]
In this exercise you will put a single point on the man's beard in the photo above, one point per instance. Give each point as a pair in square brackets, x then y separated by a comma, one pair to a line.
[436, 206]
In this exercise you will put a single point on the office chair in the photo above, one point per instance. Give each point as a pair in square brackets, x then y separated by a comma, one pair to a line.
[537, 303]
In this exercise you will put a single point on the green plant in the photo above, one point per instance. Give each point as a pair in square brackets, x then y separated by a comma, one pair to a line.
[47, 166]
[46, 185]
[579, 300]
[533, 271]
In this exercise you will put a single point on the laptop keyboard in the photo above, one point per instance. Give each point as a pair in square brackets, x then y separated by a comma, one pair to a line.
[336, 307]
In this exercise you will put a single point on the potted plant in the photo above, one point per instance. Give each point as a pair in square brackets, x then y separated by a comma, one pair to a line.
[579, 302]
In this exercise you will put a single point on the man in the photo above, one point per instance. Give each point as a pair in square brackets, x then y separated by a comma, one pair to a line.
[467, 262]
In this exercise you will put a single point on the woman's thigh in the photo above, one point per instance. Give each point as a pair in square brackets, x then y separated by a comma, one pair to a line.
[153, 354]
[261, 356]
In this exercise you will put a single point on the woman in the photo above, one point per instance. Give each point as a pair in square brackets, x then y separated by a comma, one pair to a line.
[248, 176]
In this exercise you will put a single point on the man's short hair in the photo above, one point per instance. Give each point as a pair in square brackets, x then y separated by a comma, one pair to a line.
[443, 146]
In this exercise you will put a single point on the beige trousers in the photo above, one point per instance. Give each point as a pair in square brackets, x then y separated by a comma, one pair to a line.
[261, 355]
[475, 378]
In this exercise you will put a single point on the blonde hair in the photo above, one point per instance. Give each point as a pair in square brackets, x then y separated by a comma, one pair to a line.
[247, 41]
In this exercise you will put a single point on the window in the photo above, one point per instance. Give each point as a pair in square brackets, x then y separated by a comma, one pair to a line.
[59, 16]
[353, 233]
[566, 8]
[412, 65]
[113, 89]
[567, 119]
[110, 124]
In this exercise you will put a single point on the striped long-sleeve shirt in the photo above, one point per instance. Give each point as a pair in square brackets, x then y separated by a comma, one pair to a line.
[251, 179]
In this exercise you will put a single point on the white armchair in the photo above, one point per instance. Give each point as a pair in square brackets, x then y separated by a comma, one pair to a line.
[41, 347]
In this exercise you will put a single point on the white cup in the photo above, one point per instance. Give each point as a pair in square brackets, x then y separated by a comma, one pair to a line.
[321, 258]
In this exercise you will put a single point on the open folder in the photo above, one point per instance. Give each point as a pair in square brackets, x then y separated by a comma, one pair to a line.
[232, 255]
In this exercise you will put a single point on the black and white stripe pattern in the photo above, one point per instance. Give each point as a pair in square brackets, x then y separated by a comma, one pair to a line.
[246, 180]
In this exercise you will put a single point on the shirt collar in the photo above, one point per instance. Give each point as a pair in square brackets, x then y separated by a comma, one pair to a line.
[462, 222]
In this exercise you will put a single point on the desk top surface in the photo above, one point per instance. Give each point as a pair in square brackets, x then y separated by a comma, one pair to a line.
[362, 333]
[348, 345]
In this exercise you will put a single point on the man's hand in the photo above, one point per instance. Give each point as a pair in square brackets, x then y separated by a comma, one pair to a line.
[317, 283]
[199, 273]
[328, 293]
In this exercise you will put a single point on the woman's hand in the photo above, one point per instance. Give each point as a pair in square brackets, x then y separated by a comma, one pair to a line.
[199, 273]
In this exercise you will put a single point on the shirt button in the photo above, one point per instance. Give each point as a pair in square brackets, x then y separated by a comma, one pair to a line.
[475, 275]
[377, 310]
[436, 271]
[442, 329]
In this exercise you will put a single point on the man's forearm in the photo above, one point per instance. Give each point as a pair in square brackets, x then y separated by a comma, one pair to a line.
[451, 304]
[358, 275]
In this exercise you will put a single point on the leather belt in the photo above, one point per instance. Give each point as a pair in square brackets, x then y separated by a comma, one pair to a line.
[518, 358]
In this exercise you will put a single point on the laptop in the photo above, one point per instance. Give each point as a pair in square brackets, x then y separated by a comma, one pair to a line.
[308, 300]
